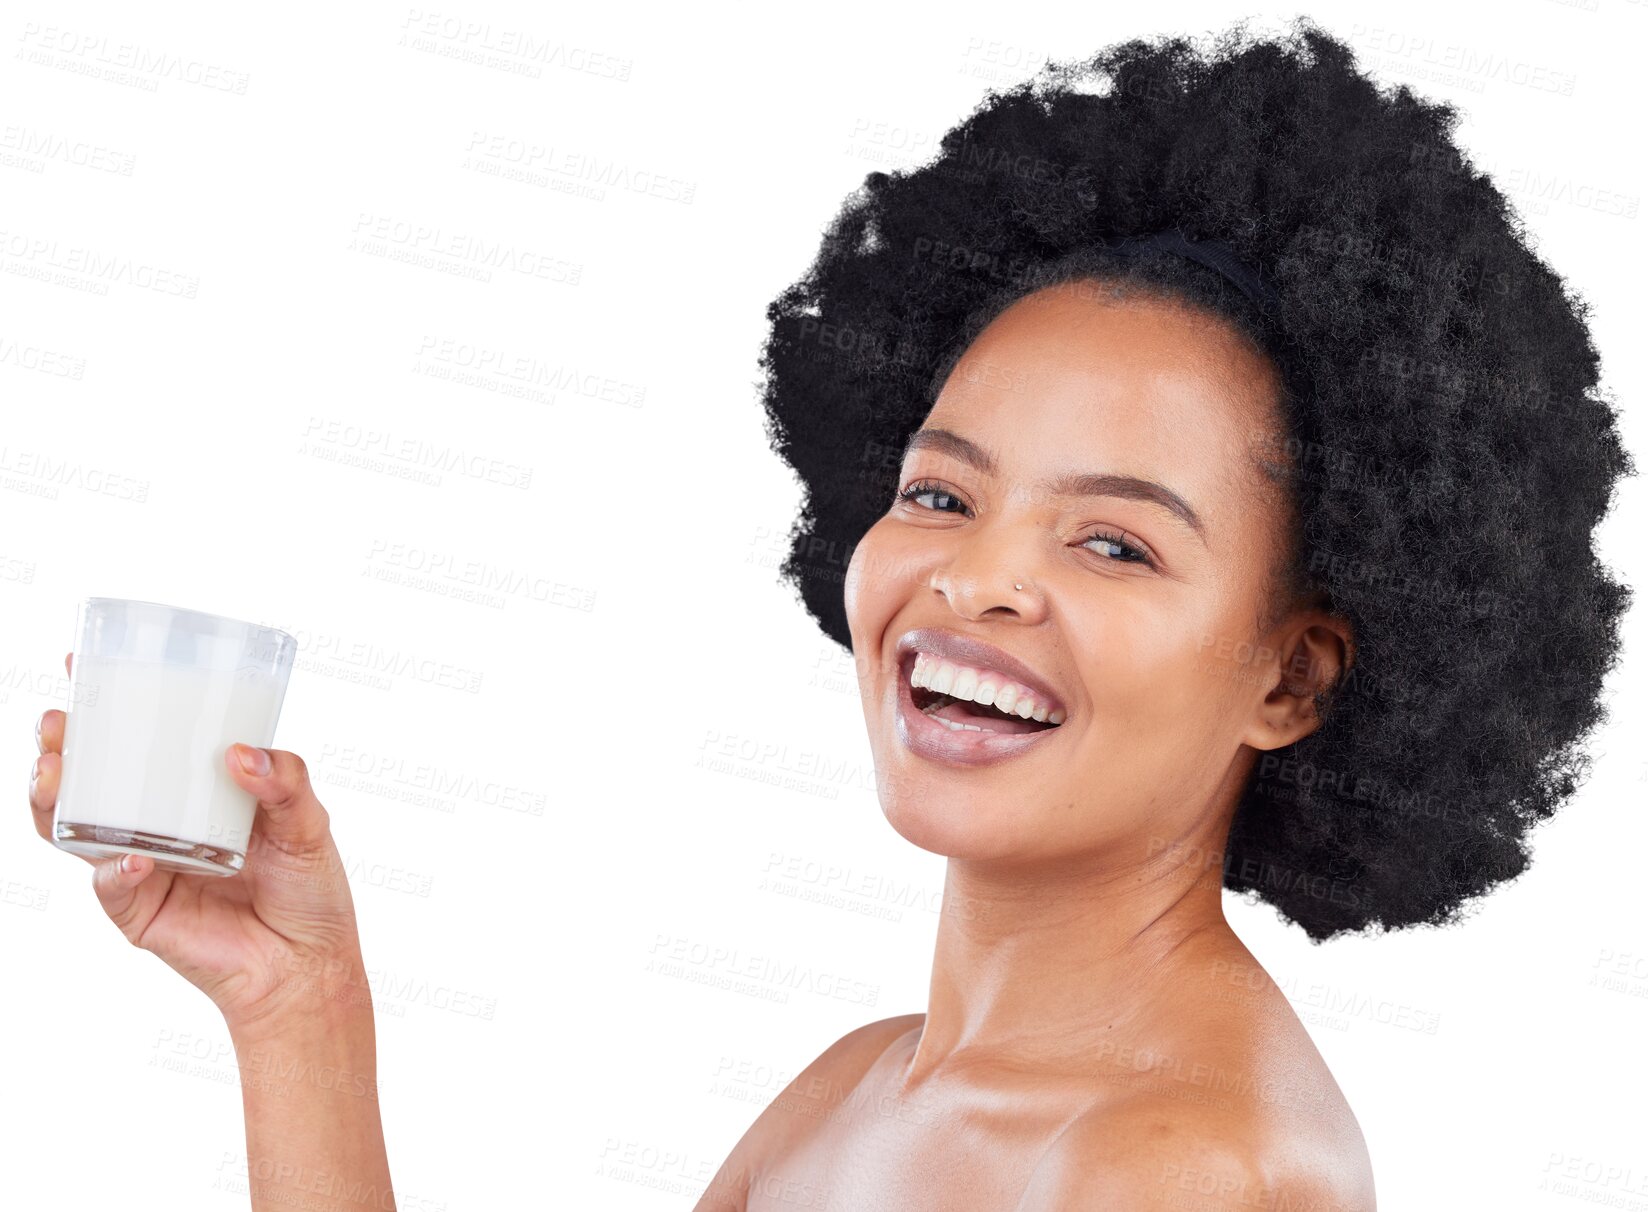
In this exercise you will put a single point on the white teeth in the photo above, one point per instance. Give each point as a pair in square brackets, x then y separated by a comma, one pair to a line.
[955, 725]
[982, 686]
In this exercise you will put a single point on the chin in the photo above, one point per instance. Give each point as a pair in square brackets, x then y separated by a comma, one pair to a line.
[957, 821]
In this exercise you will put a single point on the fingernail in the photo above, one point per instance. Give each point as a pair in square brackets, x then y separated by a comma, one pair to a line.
[128, 864]
[34, 772]
[254, 761]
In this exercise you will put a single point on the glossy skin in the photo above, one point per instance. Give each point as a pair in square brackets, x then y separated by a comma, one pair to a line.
[1096, 1034]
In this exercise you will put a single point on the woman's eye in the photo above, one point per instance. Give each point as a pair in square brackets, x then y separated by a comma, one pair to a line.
[921, 488]
[1114, 547]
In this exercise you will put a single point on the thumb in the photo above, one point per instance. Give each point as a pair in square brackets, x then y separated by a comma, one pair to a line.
[291, 815]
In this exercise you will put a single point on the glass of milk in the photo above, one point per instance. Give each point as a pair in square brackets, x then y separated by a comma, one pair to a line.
[156, 696]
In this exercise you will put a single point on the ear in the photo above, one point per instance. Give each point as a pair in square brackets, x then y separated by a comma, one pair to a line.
[1311, 654]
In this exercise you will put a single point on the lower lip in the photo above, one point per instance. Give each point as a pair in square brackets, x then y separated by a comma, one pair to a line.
[964, 747]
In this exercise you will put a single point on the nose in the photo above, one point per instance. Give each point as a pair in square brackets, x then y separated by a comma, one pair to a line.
[985, 577]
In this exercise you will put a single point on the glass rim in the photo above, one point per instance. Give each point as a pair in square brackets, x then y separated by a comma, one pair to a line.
[199, 614]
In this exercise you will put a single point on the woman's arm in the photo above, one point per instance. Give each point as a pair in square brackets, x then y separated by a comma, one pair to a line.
[309, 1087]
[277, 950]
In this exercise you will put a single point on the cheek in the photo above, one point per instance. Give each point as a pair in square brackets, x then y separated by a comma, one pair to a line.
[871, 589]
[854, 586]
[1156, 678]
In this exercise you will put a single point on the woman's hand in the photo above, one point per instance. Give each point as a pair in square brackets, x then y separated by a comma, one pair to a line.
[278, 939]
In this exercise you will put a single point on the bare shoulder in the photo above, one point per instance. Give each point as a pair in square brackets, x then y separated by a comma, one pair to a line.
[1154, 1150]
[1237, 1108]
[863, 1046]
[825, 1082]
[1241, 1112]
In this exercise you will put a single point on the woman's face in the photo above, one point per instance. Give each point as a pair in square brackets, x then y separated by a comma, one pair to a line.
[1138, 591]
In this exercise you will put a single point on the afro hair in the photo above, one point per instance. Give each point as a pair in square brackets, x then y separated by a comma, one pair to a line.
[1448, 454]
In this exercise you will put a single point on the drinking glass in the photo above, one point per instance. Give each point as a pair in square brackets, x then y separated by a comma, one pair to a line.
[157, 694]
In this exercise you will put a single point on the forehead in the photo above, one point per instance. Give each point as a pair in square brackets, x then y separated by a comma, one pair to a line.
[1071, 378]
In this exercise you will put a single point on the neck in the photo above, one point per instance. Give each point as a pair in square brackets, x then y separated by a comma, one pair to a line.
[1036, 965]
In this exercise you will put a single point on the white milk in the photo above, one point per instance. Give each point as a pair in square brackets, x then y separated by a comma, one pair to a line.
[144, 750]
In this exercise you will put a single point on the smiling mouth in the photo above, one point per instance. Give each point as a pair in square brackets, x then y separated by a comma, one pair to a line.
[967, 715]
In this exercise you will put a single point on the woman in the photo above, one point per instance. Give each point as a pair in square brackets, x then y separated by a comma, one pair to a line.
[1273, 536]
[1218, 468]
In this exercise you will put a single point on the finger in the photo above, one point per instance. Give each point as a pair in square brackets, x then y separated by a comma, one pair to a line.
[43, 783]
[48, 731]
[48, 767]
[127, 894]
[68, 663]
[289, 813]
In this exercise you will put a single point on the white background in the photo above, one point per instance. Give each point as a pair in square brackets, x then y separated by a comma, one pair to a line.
[694, 744]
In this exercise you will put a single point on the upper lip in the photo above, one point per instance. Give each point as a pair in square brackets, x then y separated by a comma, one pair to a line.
[966, 650]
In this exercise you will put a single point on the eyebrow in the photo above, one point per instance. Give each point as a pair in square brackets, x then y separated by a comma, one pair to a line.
[1130, 488]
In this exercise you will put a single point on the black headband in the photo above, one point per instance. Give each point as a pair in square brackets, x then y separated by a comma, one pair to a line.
[1215, 254]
